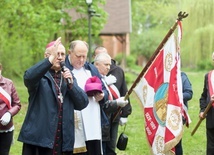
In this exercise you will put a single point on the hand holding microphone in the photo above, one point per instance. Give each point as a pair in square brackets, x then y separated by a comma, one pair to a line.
[66, 74]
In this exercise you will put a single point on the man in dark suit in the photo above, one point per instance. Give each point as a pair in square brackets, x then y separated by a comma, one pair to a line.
[207, 96]
[116, 76]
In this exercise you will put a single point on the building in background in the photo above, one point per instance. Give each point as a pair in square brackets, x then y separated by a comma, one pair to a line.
[115, 34]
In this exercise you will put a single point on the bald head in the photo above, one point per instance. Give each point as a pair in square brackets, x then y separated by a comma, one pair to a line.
[77, 44]
[100, 49]
[78, 52]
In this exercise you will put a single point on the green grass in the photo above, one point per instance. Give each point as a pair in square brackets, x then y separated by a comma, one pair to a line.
[137, 144]
[196, 144]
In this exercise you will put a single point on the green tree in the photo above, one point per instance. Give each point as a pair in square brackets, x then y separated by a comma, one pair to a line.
[151, 21]
[26, 26]
[198, 40]
[153, 18]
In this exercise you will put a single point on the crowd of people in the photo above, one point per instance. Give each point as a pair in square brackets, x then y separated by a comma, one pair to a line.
[70, 106]
[76, 106]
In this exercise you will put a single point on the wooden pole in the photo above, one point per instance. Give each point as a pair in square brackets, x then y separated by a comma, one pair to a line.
[201, 119]
[172, 29]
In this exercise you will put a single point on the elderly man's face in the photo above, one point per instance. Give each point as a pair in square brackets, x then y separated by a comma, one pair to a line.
[61, 57]
[78, 56]
[103, 66]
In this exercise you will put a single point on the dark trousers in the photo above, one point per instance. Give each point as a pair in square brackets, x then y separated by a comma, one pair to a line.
[84, 153]
[6, 139]
[178, 148]
[37, 150]
[104, 147]
[93, 147]
[210, 141]
[111, 145]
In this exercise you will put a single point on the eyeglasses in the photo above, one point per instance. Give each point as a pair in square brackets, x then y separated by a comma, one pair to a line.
[58, 54]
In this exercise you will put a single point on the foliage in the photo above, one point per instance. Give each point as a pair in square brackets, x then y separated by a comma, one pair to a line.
[205, 65]
[150, 27]
[130, 61]
[119, 58]
[26, 26]
[199, 31]
[147, 44]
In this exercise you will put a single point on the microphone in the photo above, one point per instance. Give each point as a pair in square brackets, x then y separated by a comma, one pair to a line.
[68, 80]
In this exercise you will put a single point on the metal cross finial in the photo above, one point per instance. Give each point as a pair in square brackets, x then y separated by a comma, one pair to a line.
[182, 15]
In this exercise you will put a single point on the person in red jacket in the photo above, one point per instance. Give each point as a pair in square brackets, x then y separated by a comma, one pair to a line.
[9, 107]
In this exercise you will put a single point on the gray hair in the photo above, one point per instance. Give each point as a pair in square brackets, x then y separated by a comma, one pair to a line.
[101, 57]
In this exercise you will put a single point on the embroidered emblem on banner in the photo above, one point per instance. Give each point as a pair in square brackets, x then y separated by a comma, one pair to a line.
[159, 142]
[174, 119]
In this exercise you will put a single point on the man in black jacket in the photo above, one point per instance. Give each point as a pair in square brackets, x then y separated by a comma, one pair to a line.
[116, 76]
[207, 98]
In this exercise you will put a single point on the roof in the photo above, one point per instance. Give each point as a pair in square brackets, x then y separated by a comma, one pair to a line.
[119, 18]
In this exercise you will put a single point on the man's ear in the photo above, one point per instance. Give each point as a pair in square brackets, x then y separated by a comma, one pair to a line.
[47, 52]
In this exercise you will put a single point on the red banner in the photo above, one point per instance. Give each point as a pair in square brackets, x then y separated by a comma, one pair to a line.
[160, 92]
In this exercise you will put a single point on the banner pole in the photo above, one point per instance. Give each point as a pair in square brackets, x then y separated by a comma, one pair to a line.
[172, 29]
[201, 119]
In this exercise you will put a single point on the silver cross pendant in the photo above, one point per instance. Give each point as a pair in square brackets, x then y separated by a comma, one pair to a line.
[60, 97]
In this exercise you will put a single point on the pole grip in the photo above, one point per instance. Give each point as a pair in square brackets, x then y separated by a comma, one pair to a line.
[196, 127]
[201, 119]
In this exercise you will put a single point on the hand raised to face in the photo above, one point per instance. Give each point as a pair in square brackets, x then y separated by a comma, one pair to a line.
[53, 50]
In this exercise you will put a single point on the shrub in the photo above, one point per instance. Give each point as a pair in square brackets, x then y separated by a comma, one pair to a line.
[205, 65]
